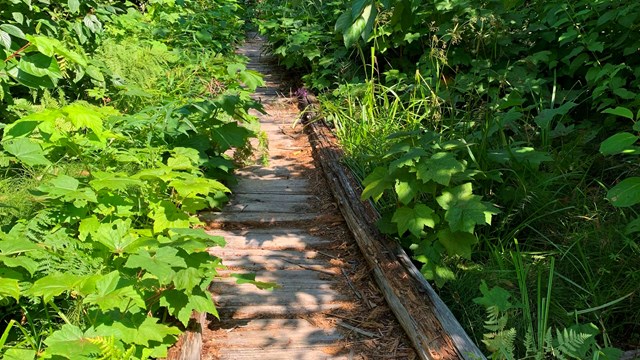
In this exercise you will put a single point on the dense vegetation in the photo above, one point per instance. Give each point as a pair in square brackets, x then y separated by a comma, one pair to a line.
[498, 139]
[114, 119]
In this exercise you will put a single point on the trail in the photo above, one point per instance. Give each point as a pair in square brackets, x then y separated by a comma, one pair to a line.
[282, 225]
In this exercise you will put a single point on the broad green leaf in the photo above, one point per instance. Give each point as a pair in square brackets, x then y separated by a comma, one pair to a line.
[626, 193]
[620, 111]
[5, 40]
[160, 264]
[111, 294]
[95, 73]
[55, 284]
[250, 278]
[463, 209]
[251, 79]
[68, 189]
[70, 342]
[406, 190]
[439, 168]
[74, 5]
[12, 30]
[187, 279]
[546, 116]
[230, 135]
[181, 306]
[20, 261]
[202, 186]
[344, 21]
[112, 181]
[44, 44]
[354, 32]
[457, 243]
[166, 215]
[26, 150]
[116, 236]
[9, 288]
[376, 183]
[497, 296]
[84, 116]
[617, 143]
[19, 354]
[415, 219]
[136, 329]
[198, 234]
[40, 65]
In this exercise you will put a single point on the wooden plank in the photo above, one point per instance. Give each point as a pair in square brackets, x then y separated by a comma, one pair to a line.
[256, 260]
[259, 186]
[303, 307]
[278, 334]
[236, 206]
[270, 239]
[263, 218]
[299, 198]
[433, 330]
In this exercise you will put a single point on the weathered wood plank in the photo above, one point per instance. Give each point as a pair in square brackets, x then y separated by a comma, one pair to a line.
[260, 186]
[270, 239]
[263, 218]
[433, 330]
[282, 206]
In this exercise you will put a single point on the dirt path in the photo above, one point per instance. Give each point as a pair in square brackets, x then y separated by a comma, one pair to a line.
[283, 225]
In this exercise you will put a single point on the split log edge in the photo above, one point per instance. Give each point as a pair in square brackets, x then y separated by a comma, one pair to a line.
[428, 322]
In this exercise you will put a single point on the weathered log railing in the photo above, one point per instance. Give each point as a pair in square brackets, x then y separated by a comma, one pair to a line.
[428, 322]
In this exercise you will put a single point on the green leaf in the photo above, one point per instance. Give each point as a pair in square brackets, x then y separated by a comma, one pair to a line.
[112, 181]
[9, 288]
[415, 219]
[344, 21]
[618, 143]
[84, 116]
[160, 264]
[70, 342]
[376, 183]
[55, 284]
[497, 296]
[406, 190]
[463, 209]
[13, 30]
[19, 354]
[230, 135]
[74, 6]
[187, 279]
[626, 193]
[354, 32]
[251, 79]
[439, 168]
[5, 40]
[66, 188]
[136, 329]
[116, 236]
[20, 261]
[40, 65]
[111, 294]
[457, 243]
[197, 234]
[620, 111]
[250, 278]
[191, 187]
[26, 150]
[166, 215]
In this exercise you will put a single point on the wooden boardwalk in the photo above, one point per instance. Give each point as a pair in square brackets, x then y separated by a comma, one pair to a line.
[267, 227]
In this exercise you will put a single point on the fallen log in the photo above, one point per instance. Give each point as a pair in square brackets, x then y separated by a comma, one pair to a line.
[428, 322]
